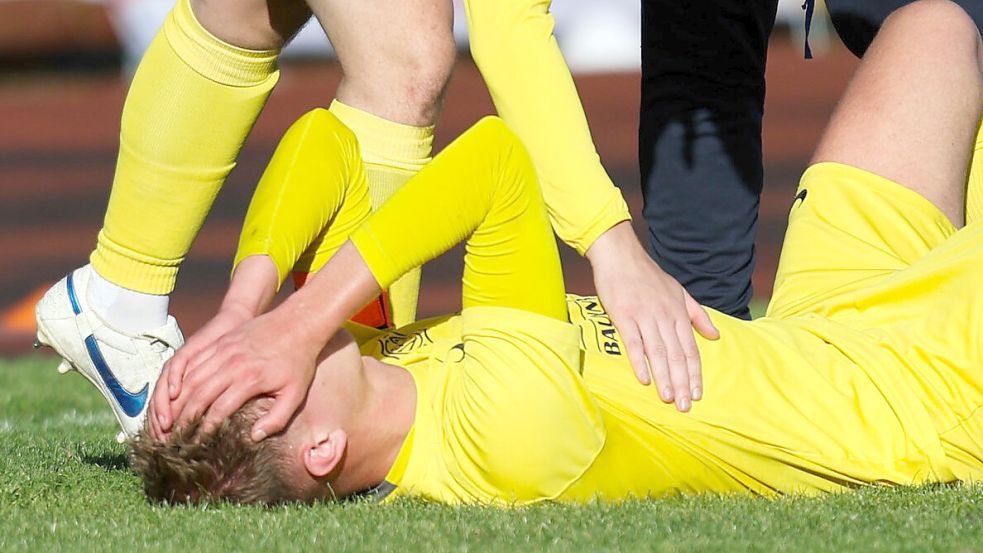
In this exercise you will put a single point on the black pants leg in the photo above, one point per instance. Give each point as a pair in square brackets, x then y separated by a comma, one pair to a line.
[703, 69]
[857, 21]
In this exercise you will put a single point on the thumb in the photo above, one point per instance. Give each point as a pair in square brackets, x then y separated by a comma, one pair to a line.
[276, 419]
[700, 319]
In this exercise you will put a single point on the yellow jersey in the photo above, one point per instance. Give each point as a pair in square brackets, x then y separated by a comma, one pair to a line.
[515, 408]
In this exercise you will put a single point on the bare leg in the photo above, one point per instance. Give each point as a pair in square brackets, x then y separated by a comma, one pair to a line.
[397, 55]
[252, 24]
[912, 110]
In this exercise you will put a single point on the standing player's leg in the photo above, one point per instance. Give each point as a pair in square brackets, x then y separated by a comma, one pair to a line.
[193, 100]
[397, 57]
[703, 89]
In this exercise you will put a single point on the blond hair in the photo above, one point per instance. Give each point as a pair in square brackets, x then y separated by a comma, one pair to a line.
[224, 464]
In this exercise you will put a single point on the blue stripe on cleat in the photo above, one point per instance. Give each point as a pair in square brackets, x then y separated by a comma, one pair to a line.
[131, 403]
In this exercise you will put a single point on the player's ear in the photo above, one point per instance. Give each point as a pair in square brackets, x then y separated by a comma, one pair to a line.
[323, 455]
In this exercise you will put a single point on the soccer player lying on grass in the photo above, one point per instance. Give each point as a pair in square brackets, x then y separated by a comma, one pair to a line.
[866, 369]
[197, 93]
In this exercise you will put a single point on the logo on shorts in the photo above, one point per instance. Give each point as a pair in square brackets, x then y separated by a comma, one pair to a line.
[800, 197]
[605, 335]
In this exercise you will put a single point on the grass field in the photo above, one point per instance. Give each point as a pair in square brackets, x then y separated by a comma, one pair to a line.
[65, 485]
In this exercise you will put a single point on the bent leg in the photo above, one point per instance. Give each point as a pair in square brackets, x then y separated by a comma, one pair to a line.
[911, 112]
[482, 188]
[396, 55]
[906, 120]
[857, 21]
[911, 115]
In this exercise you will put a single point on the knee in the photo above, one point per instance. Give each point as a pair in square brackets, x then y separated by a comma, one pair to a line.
[939, 27]
[943, 19]
[423, 74]
[402, 82]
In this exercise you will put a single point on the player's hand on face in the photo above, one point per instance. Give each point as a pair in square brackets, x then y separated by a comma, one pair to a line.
[171, 379]
[264, 357]
[655, 316]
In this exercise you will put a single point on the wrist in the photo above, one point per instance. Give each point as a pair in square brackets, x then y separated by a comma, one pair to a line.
[253, 286]
[307, 322]
[614, 245]
[238, 310]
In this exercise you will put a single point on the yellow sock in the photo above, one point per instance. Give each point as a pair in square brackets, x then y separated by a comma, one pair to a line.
[974, 188]
[193, 100]
[393, 153]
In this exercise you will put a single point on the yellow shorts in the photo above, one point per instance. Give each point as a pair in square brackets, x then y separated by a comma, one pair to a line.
[869, 253]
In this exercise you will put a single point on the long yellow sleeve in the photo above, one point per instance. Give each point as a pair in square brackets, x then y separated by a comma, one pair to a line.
[513, 45]
[311, 197]
[481, 188]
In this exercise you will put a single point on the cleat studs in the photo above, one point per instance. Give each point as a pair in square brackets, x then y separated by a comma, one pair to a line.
[64, 367]
[121, 437]
[41, 340]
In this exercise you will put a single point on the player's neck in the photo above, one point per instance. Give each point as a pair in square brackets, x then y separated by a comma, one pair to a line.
[380, 421]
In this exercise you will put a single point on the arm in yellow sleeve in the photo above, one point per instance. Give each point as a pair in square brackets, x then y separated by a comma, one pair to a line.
[311, 197]
[513, 45]
[481, 188]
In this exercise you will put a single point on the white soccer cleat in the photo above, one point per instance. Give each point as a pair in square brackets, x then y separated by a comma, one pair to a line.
[124, 367]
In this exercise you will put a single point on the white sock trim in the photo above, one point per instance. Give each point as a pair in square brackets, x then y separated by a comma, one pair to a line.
[126, 310]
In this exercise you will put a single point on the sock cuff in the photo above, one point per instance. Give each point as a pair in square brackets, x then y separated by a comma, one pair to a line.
[133, 270]
[383, 183]
[212, 57]
[385, 142]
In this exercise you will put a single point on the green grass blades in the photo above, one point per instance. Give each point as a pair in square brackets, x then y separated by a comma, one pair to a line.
[65, 486]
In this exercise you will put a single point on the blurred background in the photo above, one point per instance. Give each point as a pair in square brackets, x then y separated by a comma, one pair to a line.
[64, 69]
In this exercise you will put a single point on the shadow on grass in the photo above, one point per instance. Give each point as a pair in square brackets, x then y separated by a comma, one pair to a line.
[110, 462]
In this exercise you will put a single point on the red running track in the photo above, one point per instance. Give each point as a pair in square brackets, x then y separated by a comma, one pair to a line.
[58, 147]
